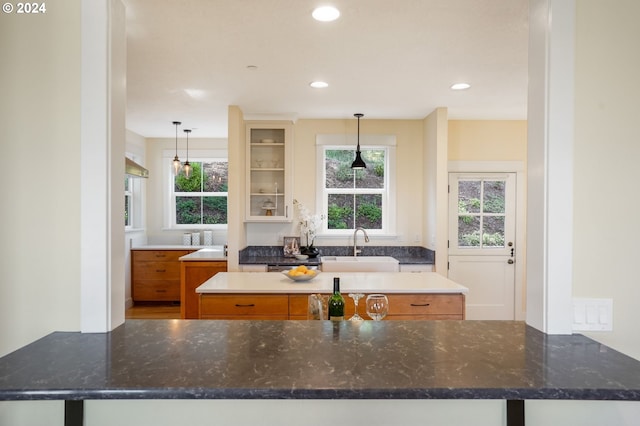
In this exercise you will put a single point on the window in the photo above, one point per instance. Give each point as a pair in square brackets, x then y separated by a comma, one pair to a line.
[201, 199]
[128, 202]
[357, 198]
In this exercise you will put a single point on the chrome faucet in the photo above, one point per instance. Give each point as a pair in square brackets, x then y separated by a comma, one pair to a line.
[355, 241]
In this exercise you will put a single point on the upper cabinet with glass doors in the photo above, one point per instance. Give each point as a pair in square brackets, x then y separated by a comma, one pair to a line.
[268, 165]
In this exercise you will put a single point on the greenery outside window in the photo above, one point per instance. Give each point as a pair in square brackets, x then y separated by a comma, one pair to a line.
[128, 202]
[357, 198]
[201, 199]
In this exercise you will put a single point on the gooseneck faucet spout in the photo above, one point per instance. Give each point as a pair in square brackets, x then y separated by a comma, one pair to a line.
[355, 240]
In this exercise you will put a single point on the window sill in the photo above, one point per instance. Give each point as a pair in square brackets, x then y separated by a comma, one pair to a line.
[133, 230]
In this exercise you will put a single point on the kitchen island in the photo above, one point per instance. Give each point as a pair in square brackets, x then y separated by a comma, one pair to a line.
[272, 295]
[318, 360]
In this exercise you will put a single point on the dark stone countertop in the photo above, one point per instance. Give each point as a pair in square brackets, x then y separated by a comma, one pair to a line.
[272, 255]
[158, 359]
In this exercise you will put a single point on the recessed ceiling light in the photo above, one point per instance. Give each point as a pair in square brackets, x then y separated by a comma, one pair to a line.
[319, 84]
[325, 13]
[195, 93]
[460, 86]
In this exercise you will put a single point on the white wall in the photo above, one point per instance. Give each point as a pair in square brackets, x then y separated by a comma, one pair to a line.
[607, 151]
[40, 134]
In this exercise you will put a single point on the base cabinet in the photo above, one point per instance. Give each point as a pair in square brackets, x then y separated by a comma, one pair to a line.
[192, 275]
[155, 275]
[417, 306]
[241, 306]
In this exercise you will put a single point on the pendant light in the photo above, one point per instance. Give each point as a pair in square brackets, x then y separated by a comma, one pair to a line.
[187, 166]
[176, 161]
[358, 163]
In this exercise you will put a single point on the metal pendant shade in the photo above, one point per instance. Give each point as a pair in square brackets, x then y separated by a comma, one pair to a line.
[177, 165]
[187, 166]
[358, 163]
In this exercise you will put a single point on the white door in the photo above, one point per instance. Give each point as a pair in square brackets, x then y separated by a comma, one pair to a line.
[482, 224]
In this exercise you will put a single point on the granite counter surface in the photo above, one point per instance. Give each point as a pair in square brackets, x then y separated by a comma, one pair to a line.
[158, 359]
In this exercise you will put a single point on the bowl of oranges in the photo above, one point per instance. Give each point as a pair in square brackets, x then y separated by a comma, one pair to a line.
[301, 273]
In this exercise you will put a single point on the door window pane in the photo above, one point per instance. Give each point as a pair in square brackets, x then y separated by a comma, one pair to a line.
[493, 231]
[469, 231]
[469, 196]
[481, 213]
[493, 196]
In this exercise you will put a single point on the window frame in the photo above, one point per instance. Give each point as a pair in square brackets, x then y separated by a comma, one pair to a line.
[128, 201]
[195, 156]
[348, 142]
[136, 195]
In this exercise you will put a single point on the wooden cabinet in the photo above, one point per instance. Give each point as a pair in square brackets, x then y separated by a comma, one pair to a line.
[425, 306]
[414, 306]
[192, 275]
[155, 275]
[244, 306]
[269, 172]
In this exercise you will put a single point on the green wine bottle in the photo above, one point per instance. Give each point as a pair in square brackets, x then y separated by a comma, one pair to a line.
[336, 302]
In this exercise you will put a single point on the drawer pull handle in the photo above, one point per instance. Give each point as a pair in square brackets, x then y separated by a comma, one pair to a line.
[420, 304]
[161, 291]
[161, 270]
[249, 305]
[161, 255]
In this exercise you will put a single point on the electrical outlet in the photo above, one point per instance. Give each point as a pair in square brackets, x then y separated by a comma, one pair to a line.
[592, 314]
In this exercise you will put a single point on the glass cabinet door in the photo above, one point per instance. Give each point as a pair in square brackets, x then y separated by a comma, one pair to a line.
[268, 173]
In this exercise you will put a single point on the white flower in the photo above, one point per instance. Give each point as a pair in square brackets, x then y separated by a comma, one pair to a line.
[309, 223]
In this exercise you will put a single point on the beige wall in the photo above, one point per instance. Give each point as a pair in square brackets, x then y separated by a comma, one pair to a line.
[40, 134]
[487, 140]
[606, 155]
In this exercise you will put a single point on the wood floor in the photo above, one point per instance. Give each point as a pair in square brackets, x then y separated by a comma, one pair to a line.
[153, 311]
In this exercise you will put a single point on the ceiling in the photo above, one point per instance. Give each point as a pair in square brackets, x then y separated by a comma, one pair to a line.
[188, 60]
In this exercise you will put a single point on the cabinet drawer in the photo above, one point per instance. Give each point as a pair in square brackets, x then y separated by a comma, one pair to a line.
[159, 255]
[156, 290]
[426, 304]
[156, 270]
[244, 305]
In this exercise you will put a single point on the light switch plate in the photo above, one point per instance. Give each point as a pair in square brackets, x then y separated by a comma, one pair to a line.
[592, 314]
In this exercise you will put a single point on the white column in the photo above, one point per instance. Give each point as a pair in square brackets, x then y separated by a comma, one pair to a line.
[102, 135]
[550, 165]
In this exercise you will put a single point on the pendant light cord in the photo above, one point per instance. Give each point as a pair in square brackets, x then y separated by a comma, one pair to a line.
[177, 123]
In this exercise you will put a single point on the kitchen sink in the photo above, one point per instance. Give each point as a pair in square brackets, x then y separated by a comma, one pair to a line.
[360, 264]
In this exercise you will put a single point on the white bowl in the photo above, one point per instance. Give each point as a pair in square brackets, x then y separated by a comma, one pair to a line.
[302, 277]
[302, 256]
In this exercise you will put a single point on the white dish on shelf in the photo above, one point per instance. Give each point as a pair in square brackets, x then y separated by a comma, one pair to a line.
[267, 141]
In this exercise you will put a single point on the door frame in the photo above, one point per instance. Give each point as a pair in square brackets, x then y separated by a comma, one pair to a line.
[517, 167]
